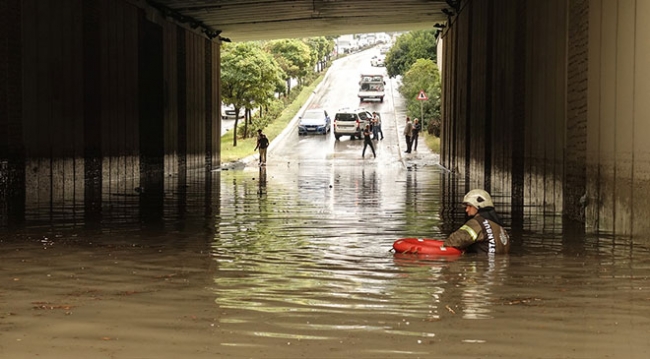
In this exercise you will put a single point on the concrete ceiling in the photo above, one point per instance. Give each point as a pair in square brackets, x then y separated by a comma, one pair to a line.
[245, 20]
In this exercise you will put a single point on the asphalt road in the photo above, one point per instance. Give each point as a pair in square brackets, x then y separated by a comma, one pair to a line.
[339, 90]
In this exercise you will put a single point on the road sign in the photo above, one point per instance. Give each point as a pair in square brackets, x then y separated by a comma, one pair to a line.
[422, 96]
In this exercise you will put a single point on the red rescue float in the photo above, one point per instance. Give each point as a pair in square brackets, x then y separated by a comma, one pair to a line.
[424, 246]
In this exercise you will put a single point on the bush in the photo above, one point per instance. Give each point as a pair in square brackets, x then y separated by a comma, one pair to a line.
[434, 127]
[260, 122]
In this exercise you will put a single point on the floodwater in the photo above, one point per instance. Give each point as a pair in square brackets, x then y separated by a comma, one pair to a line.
[295, 262]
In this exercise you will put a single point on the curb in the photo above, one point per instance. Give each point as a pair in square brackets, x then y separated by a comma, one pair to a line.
[292, 124]
[244, 162]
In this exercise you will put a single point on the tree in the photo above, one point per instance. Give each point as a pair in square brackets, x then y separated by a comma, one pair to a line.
[293, 56]
[408, 48]
[249, 77]
[320, 48]
[423, 75]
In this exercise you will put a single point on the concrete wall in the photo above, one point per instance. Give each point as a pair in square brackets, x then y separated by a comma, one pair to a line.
[546, 105]
[618, 154]
[100, 99]
[485, 100]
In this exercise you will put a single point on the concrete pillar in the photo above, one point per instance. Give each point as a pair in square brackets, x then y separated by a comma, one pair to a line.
[12, 158]
[577, 123]
[100, 99]
[574, 189]
[618, 165]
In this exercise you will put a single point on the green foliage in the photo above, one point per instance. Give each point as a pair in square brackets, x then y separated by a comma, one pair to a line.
[317, 48]
[320, 47]
[408, 48]
[433, 127]
[395, 60]
[272, 130]
[293, 56]
[253, 72]
[423, 75]
[433, 142]
[269, 113]
[249, 77]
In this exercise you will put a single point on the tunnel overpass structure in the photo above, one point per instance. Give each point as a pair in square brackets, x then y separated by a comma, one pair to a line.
[545, 103]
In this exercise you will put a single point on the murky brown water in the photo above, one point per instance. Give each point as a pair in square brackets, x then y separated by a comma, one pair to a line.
[294, 262]
[290, 267]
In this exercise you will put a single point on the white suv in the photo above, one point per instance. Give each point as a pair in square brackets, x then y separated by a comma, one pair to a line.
[228, 112]
[351, 122]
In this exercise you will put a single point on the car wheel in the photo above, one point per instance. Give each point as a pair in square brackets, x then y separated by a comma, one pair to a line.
[337, 137]
[381, 99]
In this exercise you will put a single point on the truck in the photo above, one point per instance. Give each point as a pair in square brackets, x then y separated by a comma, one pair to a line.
[371, 86]
[345, 44]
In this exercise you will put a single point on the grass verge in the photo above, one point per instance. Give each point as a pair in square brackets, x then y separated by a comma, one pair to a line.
[432, 142]
[245, 146]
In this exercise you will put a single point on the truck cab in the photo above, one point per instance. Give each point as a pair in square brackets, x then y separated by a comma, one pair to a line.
[371, 87]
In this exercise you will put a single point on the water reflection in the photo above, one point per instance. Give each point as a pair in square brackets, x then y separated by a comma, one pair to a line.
[293, 261]
[262, 182]
[481, 277]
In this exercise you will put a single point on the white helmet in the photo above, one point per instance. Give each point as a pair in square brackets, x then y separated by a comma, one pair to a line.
[478, 199]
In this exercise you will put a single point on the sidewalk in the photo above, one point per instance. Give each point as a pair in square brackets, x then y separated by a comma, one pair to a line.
[423, 156]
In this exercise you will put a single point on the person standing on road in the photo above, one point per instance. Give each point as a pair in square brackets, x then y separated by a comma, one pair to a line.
[408, 133]
[367, 141]
[377, 126]
[417, 126]
[484, 232]
[262, 145]
[259, 135]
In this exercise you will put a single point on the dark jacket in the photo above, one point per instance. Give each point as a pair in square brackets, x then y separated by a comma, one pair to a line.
[480, 235]
[417, 127]
[367, 136]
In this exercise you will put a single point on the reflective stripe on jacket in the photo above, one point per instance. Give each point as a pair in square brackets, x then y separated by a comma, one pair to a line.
[480, 235]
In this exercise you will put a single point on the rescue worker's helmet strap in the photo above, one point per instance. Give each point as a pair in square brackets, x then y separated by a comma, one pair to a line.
[478, 198]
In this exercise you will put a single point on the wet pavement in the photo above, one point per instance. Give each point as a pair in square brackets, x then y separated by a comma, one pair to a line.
[293, 260]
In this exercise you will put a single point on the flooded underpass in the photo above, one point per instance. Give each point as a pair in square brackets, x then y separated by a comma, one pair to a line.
[294, 261]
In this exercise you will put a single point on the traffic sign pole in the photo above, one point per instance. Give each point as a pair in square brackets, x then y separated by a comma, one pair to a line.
[422, 112]
[422, 96]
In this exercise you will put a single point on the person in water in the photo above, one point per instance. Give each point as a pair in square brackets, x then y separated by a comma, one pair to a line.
[484, 232]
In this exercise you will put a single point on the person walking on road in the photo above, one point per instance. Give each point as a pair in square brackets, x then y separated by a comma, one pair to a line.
[417, 126]
[262, 145]
[367, 141]
[259, 135]
[408, 133]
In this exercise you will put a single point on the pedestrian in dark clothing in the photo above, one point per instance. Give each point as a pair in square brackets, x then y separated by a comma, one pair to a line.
[417, 127]
[367, 141]
[408, 133]
[262, 145]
